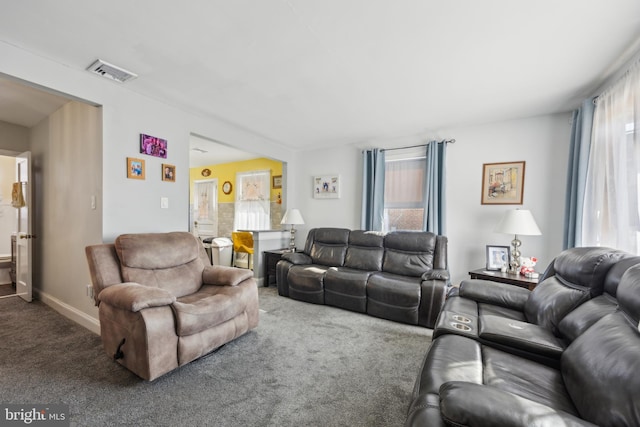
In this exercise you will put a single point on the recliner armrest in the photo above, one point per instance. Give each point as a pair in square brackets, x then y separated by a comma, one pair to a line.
[225, 276]
[437, 274]
[135, 297]
[502, 294]
[520, 335]
[297, 258]
[468, 404]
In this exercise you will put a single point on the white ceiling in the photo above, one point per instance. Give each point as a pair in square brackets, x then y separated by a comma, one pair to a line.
[330, 72]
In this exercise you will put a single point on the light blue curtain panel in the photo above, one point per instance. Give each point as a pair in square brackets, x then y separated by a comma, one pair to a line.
[435, 188]
[373, 190]
[581, 127]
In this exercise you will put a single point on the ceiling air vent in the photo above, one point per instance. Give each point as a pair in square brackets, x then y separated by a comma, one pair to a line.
[111, 71]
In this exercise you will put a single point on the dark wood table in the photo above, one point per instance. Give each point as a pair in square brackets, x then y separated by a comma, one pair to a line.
[271, 258]
[510, 279]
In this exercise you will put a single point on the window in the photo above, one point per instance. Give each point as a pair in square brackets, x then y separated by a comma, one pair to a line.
[612, 189]
[404, 190]
[252, 207]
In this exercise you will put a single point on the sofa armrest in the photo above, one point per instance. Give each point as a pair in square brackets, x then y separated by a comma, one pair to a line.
[494, 293]
[135, 297]
[520, 335]
[469, 404]
[437, 274]
[225, 276]
[297, 258]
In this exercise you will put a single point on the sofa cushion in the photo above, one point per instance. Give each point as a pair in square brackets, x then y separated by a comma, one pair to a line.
[209, 307]
[168, 261]
[525, 378]
[330, 246]
[408, 253]
[579, 276]
[346, 288]
[394, 297]
[551, 303]
[365, 250]
[586, 267]
[600, 370]
[306, 282]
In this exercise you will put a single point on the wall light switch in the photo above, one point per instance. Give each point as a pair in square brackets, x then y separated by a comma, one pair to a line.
[164, 202]
[93, 202]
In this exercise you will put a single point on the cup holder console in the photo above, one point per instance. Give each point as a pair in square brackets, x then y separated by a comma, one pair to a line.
[461, 319]
[460, 326]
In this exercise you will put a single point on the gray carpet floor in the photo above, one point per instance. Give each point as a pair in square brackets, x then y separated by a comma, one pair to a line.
[305, 365]
[7, 289]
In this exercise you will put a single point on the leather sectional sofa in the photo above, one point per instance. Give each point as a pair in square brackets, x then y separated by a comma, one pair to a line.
[563, 354]
[400, 276]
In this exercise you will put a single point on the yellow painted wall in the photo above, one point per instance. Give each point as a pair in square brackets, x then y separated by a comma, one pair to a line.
[227, 172]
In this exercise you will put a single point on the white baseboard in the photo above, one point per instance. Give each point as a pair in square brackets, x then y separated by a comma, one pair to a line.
[81, 318]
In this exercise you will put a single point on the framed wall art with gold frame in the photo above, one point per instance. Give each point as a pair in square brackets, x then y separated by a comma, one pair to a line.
[503, 183]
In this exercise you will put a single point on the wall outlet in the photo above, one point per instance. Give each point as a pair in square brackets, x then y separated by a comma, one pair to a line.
[90, 291]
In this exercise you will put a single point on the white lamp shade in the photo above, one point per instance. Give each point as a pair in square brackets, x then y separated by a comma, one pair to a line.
[518, 221]
[292, 216]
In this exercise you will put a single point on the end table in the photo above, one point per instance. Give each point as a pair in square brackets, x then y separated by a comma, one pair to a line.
[510, 279]
[271, 258]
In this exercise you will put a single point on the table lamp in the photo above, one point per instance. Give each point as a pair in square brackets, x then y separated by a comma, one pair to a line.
[517, 222]
[292, 217]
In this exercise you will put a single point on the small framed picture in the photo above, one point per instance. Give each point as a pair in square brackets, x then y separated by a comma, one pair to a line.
[135, 168]
[498, 257]
[153, 146]
[277, 181]
[326, 187]
[168, 172]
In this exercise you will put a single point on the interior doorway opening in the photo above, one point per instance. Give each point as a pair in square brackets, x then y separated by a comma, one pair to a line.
[8, 227]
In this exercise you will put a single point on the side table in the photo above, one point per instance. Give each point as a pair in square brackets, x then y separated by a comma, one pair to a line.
[271, 258]
[510, 279]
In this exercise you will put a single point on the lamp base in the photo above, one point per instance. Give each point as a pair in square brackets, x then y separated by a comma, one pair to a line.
[292, 239]
[514, 265]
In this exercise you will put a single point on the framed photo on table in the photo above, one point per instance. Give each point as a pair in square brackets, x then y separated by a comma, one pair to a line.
[498, 257]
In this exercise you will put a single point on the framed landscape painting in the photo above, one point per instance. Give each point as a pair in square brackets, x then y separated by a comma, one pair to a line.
[502, 183]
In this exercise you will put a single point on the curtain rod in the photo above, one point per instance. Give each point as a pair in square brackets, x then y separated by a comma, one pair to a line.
[446, 141]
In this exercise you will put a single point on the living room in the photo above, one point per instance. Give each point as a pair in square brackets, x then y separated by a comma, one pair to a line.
[539, 135]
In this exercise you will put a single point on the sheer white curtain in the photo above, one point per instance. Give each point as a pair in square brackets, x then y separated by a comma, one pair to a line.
[611, 216]
[253, 208]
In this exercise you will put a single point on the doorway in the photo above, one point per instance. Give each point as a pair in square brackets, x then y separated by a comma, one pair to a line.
[8, 226]
[216, 167]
